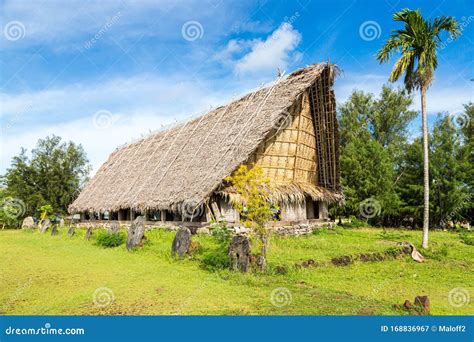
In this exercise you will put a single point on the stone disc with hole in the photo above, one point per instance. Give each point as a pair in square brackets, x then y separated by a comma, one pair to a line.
[181, 242]
[239, 253]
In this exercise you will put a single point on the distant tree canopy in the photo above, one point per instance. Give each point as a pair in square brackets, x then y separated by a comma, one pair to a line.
[52, 175]
[373, 137]
[379, 161]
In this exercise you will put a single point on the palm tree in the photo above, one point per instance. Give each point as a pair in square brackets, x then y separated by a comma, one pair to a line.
[417, 44]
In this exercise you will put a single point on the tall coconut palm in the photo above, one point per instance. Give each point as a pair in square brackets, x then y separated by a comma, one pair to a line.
[417, 43]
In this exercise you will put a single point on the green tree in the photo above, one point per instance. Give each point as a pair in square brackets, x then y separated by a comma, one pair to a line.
[254, 207]
[451, 192]
[417, 43]
[410, 184]
[373, 134]
[466, 123]
[53, 175]
[448, 164]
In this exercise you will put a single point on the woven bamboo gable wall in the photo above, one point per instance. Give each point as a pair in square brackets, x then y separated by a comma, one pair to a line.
[290, 155]
[303, 149]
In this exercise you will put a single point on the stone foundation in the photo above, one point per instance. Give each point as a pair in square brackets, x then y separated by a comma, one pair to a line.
[282, 228]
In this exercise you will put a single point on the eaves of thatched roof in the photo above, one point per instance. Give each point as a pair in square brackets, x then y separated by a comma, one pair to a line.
[187, 163]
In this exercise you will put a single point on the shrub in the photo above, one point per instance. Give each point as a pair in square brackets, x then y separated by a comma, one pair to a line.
[221, 233]
[354, 222]
[467, 238]
[436, 251]
[109, 240]
[216, 259]
[392, 235]
[393, 252]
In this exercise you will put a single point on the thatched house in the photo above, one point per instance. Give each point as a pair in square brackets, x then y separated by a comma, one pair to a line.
[288, 128]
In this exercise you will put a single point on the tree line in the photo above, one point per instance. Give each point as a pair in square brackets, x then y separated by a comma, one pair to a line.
[382, 162]
[50, 177]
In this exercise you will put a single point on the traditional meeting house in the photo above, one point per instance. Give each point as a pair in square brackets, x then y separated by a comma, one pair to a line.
[177, 175]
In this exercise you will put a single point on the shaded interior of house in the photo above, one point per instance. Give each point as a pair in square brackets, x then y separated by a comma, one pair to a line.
[294, 212]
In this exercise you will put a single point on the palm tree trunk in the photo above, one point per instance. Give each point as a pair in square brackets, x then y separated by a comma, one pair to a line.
[426, 175]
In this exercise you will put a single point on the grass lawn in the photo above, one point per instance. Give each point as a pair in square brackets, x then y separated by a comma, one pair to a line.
[44, 274]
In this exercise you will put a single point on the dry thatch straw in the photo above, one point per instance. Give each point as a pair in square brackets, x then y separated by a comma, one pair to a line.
[187, 163]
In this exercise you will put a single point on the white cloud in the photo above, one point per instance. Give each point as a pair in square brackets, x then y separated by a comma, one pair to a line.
[98, 143]
[277, 51]
[62, 26]
[138, 105]
[233, 48]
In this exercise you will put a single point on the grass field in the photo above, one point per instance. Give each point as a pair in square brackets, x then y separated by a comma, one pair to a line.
[44, 274]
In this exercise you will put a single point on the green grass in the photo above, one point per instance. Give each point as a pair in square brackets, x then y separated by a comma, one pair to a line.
[42, 274]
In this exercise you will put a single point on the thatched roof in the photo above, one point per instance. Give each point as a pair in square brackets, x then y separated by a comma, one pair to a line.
[187, 163]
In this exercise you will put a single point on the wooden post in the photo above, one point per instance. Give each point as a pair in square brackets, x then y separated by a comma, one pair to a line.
[323, 210]
[216, 211]
[146, 214]
[209, 215]
[163, 215]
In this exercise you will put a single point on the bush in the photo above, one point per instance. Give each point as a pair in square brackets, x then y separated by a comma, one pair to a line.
[221, 233]
[216, 259]
[392, 235]
[436, 251]
[108, 240]
[467, 238]
[354, 222]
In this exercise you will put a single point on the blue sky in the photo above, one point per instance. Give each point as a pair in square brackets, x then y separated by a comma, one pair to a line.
[102, 73]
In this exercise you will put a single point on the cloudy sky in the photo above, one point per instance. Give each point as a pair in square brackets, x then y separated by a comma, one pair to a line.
[102, 73]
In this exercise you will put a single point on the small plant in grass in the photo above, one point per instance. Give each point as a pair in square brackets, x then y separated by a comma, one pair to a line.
[353, 222]
[393, 252]
[110, 240]
[392, 235]
[221, 232]
[436, 251]
[254, 207]
[46, 211]
[467, 238]
[218, 258]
